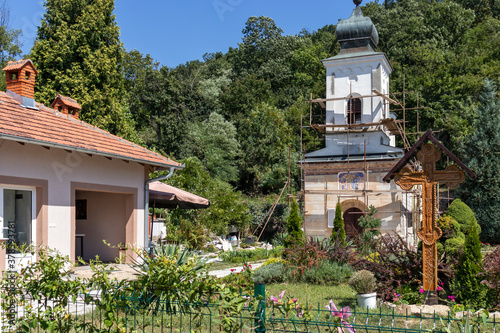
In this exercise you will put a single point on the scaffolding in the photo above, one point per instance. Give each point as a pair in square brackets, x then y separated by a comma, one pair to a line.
[389, 125]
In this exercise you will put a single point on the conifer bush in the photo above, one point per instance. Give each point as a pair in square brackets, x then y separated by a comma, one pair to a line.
[338, 232]
[453, 238]
[467, 285]
[461, 213]
[294, 226]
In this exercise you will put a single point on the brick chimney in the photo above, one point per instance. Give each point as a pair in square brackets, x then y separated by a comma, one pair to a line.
[20, 78]
[66, 105]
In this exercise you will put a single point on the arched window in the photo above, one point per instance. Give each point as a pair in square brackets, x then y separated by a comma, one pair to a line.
[354, 111]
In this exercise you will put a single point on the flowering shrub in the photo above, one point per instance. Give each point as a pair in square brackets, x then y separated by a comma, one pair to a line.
[396, 299]
[242, 279]
[288, 307]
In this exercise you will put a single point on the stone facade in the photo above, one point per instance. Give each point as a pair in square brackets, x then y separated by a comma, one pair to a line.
[323, 189]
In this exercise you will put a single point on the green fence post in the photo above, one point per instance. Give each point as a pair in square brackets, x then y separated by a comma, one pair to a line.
[260, 316]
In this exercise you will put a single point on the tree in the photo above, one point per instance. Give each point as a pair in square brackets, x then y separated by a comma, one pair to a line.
[338, 232]
[78, 54]
[294, 226]
[162, 112]
[264, 136]
[481, 153]
[467, 284]
[227, 206]
[214, 142]
[10, 46]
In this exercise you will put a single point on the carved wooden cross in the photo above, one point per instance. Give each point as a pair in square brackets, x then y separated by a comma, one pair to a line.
[429, 177]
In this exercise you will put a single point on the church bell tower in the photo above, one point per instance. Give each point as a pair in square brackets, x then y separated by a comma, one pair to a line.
[359, 146]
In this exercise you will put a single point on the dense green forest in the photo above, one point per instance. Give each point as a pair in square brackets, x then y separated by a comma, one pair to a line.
[237, 115]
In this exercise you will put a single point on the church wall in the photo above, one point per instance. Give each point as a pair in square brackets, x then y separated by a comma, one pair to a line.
[322, 192]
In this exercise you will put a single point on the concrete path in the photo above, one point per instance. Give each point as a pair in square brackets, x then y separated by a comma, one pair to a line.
[227, 271]
[124, 271]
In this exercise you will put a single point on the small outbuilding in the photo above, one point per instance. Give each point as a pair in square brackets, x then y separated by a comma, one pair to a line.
[64, 183]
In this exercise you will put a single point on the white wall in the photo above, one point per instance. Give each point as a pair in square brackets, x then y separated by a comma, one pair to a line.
[61, 168]
[354, 76]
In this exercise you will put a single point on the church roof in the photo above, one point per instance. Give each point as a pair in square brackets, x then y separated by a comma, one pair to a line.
[357, 35]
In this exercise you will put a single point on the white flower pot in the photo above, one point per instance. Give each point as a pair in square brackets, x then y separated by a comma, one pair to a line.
[367, 300]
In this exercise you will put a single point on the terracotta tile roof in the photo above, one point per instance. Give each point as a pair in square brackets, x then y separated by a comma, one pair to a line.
[67, 101]
[13, 65]
[47, 127]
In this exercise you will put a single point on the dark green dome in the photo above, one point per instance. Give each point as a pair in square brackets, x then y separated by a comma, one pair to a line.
[357, 33]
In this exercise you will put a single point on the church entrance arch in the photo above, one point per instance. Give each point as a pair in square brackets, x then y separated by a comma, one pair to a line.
[352, 210]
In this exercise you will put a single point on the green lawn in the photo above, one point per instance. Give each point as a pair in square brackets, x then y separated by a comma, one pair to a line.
[313, 294]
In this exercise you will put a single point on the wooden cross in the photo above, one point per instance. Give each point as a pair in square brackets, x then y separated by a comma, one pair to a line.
[429, 233]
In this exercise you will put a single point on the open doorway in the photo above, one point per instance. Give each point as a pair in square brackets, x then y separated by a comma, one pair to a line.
[351, 223]
[102, 216]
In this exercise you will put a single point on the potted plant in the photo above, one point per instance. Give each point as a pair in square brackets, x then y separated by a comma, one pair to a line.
[364, 283]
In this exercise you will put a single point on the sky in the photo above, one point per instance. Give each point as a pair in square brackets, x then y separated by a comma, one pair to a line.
[174, 32]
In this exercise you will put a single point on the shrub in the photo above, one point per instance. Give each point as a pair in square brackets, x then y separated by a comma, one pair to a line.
[341, 252]
[279, 239]
[258, 210]
[302, 257]
[327, 273]
[240, 279]
[467, 285]
[272, 261]
[363, 282]
[393, 265]
[243, 256]
[371, 227]
[452, 240]
[491, 277]
[338, 232]
[272, 273]
[459, 211]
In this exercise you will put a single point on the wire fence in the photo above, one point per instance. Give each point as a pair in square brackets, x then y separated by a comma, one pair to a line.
[138, 312]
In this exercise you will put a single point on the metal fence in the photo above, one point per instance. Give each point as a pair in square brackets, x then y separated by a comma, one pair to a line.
[138, 313]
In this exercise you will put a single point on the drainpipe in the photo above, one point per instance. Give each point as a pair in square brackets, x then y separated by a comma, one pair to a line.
[146, 203]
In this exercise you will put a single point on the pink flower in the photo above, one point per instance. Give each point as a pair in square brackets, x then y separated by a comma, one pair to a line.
[439, 288]
[421, 290]
[244, 202]
[276, 300]
[342, 314]
[294, 300]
